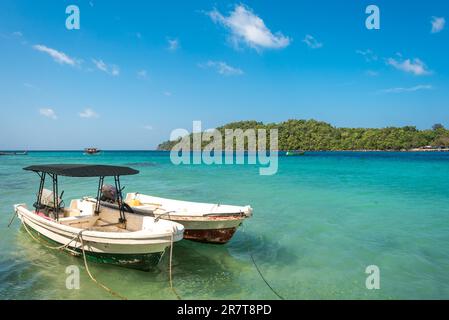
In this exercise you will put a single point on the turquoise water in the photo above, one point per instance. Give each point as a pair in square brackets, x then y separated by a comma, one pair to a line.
[317, 225]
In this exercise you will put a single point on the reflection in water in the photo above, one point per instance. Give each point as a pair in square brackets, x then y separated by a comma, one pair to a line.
[141, 164]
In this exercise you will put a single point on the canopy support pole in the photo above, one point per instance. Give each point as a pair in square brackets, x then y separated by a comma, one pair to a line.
[120, 199]
[37, 205]
[97, 204]
[55, 196]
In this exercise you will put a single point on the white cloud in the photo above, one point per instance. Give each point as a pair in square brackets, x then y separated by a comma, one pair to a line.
[58, 56]
[115, 71]
[88, 114]
[409, 89]
[222, 68]
[415, 66]
[437, 24]
[246, 27]
[142, 74]
[49, 113]
[173, 44]
[17, 34]
[312, 42]
[148, 127]
[112, 70]
[167, 93]
[368, 54]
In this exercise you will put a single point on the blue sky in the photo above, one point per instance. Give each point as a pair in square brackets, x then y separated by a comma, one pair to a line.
[136, 70]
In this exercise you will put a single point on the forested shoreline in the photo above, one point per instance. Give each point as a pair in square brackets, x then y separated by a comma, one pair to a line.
[312, 135]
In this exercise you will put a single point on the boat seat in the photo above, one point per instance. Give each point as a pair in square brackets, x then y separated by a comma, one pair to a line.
[77, 220]
[102, 225]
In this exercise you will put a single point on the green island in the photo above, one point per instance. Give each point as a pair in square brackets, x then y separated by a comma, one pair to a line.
[312, 135]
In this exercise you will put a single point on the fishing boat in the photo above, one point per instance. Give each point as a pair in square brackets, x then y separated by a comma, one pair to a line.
[91, 151]
[204, 222]
[13, 153]
[99, 233]
[295, 153]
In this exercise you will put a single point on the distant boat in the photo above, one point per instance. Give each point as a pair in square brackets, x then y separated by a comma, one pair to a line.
[295, 153]
[91, 151]
[13, 153]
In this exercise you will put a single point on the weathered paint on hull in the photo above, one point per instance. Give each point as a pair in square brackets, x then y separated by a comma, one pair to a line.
[144, 262]
[218, 236]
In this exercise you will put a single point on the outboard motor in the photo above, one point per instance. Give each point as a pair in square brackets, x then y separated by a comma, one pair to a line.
[108, 193]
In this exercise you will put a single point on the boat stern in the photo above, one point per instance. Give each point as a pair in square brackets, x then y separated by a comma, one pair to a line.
[17, 206]
[178, 232]
[248, 211]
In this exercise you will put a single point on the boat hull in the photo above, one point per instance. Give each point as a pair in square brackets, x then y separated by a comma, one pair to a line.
[138, 261]
[143, 253]
[210, 229]
[217, 236]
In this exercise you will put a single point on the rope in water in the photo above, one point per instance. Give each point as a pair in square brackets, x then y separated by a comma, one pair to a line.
[170, 269]
[91, 276]
[258, 269]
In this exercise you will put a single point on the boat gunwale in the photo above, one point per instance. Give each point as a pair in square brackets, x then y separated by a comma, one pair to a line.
[244, 211]
[99, 236]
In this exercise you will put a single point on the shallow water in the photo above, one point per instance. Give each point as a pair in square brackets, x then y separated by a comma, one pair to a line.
[317, 225]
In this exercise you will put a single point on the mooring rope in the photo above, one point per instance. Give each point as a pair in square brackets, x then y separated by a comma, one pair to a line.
[170, 268]
[65, 246]
[62, 247]
[80, 237]
[258, 269]
[12, 218]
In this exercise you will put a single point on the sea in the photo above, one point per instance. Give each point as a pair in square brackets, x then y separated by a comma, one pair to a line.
[323, 227]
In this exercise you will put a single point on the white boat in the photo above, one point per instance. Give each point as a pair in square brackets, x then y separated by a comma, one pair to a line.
[205, 222]
[103, 234]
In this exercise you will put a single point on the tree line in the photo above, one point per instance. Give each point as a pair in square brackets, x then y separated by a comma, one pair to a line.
[310, 135]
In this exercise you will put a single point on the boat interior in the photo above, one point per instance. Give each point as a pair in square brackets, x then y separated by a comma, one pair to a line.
[81, 214]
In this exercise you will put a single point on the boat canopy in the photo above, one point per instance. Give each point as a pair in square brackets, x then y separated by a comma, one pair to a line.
[83, 170]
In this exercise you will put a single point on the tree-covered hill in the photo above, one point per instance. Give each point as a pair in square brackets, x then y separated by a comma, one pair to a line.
[317, 135]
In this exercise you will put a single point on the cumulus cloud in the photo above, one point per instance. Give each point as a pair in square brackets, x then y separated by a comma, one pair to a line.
[368, 54]
[112, 69]
[222, 68]
[312, 42]
[173, 44]
[48, 112]
[58, 56]
[437, 24]
[408, 89]
[88, 114]
[415, 66]
[248, 28]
